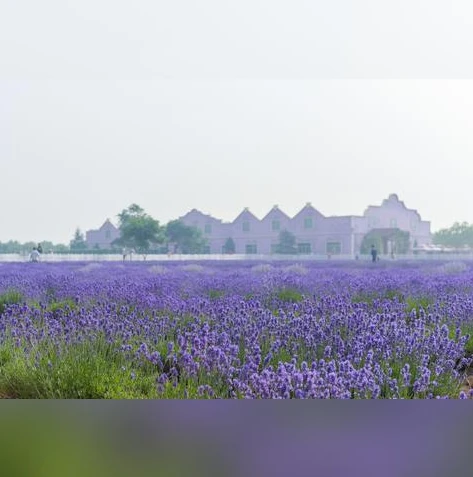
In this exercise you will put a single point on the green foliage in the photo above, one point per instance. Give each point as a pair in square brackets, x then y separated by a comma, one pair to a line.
[214, 294]
[184, 238]
[62, 305]
[287, 243]
[10, 297]
[458, 235]
[13, 246]
[400, 239]
[78, 242]
[60, 248]
[93, 369]
[229, 246]
[418, 303]
[138, 230]
[289, 295]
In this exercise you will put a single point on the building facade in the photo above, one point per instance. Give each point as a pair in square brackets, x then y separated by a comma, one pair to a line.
[103, 237]
[315, 233]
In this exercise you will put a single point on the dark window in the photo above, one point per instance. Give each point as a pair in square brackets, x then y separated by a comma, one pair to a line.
[334, 248]
[251, 249]
[304, 248]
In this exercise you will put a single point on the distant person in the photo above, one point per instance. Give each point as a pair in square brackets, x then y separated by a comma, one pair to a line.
[374, 253]
[39, 248]
[34, 255]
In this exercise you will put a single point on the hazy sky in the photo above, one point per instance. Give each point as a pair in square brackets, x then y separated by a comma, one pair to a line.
[220, 105]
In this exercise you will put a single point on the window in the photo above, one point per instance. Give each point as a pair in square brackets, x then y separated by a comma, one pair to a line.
[246, 226]
[304, 248]
[393, 223]
[308, 223]
[413, 225]
[108, 234]
[334, 248]
[208, 228]
[251, 249]
[275, 225]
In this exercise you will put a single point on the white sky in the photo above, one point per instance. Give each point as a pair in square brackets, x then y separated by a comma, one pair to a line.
[221, 105]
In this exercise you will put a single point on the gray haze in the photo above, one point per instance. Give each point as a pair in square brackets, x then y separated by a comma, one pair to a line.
[222, 105]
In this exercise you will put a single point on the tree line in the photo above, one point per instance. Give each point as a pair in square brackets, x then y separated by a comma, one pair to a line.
[459, 235]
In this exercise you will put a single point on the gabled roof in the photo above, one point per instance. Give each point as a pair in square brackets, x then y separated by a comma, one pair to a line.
[246, 213]
[200, 214]
[308, 207]
[107, 223]
[278, 211]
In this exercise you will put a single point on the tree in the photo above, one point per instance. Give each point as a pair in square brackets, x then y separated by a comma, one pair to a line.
[78, 242]
[229, 246]
[184, 238]
[138, 230]
[60, 248]
[13, 246]
[287, 243]
[458, 235]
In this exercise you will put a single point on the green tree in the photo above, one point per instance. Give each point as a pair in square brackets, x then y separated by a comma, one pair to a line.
[184, 238]
[287, 243]
[138, 230]
[229, 246]
[458, 235]
[60, 248]
[78, 242]
[401, 241]
[12, 246]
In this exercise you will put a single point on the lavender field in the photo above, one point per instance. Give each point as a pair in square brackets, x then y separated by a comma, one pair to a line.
[345, 330]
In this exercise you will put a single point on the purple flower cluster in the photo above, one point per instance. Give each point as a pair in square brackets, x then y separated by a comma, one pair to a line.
[226, 330]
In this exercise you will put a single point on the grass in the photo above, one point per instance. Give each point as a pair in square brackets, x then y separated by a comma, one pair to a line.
[289, 295]
[215, 294]
[93, 369]
[418, 303]
[10, 297]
